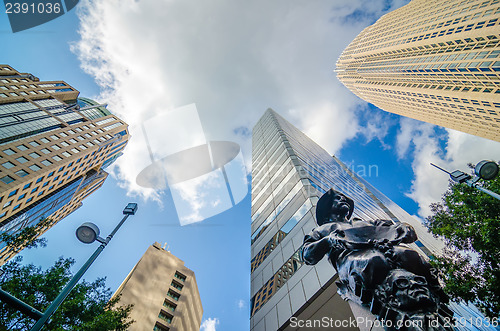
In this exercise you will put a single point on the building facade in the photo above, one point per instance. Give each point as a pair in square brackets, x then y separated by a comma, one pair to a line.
[54, 148]
[289, 174]
[434, 61]
[164, 293]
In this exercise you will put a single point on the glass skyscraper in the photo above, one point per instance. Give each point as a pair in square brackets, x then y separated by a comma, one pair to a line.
[54, 147]
[289, 174]
[434, 61]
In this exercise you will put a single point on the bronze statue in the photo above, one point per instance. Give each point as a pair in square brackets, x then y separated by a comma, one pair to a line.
[375, 267]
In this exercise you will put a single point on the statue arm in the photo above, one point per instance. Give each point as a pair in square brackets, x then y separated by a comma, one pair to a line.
[313, 252]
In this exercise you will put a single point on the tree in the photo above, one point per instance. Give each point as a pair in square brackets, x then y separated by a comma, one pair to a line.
[469, 221]
[86, 308]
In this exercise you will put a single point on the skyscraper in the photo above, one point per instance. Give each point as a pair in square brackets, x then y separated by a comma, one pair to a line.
[434, 61]
[289, 173]
[164, 293]
[53, 149]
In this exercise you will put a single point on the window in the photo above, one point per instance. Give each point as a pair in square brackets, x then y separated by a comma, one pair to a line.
[173, 295]
[8, 203]
[180, 276]
[46, 162]
[55, 147]
[16, 207]
[159, 327]
[39, 180]
[169, 305]
[22, 159]
[49, 175]
[21, 196]
[45, 151]
[26, 186]
[165, 316]
[66, 154]
[22, 147]
[45, 140]
[34, 190]
[9, 151]
[176, 285]
[34, 167]
[57, 158]
[34, 155]
[22, 173]
[12, 193]
[8, 165]
[34, 144]
[7, 179]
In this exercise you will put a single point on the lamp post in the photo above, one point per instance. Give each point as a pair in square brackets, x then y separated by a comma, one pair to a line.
[485, 169]
[86, 233]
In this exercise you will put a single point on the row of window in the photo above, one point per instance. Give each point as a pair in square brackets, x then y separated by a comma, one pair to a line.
[76, 170]
[415, 21]
[169, 305]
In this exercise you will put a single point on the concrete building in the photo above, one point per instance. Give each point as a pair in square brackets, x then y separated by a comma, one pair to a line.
[434, 61]
[53, 149]
[164, 293]
[289, 173]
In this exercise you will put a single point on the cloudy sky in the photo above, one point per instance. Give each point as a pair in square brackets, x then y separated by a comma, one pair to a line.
[233, 59]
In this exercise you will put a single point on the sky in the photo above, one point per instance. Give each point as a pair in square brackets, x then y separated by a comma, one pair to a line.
[233, 59]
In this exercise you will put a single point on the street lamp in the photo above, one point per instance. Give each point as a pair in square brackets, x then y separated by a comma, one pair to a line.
[86, 233]
[485, 169]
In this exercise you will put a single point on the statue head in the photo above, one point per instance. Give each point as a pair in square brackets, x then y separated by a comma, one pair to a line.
[334, 206]
[406, 292]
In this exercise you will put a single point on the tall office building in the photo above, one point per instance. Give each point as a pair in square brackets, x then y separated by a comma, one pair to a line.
[164, 293]
[289, 173]
[53, 149]
[434, 61]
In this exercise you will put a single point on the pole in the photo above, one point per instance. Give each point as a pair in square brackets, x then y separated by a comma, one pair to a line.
[67, 289]
[432, 164]
[22, 306]
[485, 190]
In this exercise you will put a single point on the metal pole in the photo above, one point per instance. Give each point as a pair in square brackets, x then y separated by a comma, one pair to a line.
[493, 194]
[22, 306]
[67, 289]
[432, 164]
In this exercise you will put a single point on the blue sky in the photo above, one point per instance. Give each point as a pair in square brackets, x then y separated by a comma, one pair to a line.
[234, 59]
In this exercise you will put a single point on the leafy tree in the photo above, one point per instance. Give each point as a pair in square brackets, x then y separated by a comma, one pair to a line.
[469, 220]
[86, 308]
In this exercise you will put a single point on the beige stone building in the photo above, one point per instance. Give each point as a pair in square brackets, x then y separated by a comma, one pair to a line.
[434, 61]
[164, 293]
[53, 149]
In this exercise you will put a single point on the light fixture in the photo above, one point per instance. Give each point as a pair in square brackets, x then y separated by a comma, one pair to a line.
[130, 209]
[486, 169]
[87, 233]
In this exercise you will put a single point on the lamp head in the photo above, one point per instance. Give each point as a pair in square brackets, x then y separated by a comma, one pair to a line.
[486, 169]
[130, 209]
[87, 233]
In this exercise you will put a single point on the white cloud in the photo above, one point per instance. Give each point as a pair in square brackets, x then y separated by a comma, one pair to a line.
[234, 59]
[241, 304]
[209, 324]
[424, 143]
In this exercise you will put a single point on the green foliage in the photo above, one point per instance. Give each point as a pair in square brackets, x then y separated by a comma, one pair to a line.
[86, 308]
[469, 220]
